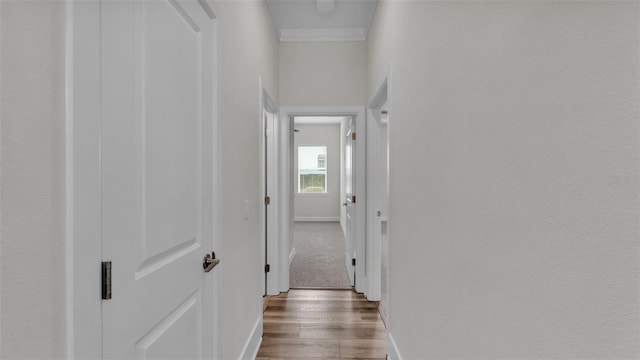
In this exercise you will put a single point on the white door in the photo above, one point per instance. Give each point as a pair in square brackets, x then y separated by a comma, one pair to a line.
[158, 153]
[350, 199]
[271, 196]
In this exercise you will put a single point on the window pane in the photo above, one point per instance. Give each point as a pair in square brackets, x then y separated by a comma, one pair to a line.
[312, 169]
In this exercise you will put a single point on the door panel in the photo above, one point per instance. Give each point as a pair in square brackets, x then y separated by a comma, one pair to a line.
[181, 324]
[348, 201]
[169, 73]
[157, 178]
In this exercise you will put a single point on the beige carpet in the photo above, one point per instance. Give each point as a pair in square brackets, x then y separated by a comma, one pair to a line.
[320, 256]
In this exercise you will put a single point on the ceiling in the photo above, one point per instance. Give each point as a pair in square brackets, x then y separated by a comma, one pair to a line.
[322, 20]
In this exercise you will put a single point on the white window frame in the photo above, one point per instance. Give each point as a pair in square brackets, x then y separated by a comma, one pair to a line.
[326, 181]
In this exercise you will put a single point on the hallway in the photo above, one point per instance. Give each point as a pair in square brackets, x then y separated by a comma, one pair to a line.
[130, 143]
[338, 324]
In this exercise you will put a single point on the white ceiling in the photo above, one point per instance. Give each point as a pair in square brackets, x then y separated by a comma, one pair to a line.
[322, 20]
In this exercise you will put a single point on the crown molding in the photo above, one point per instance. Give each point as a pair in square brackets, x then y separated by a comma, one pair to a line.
[345, 34]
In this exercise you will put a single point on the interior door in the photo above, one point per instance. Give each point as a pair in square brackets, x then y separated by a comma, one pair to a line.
[350, 199]
[158, 153]
[271, 205]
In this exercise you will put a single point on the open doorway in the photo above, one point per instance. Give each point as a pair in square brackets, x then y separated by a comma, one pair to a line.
[319, 174]
[279, 247]
[378, 196]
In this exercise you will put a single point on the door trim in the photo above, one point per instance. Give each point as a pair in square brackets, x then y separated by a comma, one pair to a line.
[82, 86]
[381, 97]
[286, 113]
[374, 155]
[82, 174]
[269, 221]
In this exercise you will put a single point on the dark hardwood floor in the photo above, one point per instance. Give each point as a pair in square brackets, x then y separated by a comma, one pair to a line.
[322, 324]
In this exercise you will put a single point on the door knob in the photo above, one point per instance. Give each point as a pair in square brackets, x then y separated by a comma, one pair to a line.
[209, 262]
[345, 204]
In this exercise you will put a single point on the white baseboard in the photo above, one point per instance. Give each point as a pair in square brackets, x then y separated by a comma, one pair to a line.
[251, 347]
[393, 353]
[384, 218]
[317, 219]
[292, 255]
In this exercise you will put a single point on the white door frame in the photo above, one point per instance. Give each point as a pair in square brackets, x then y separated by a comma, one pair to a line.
[83, 199]
[374, 156]
[269, 220]
[358, 112]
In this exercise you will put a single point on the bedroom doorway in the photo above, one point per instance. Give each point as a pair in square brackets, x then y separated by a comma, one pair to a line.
[319, 178]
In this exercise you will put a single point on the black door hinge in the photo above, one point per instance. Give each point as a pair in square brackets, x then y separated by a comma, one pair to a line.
[106, 280]
[267, 268]
[353, 262]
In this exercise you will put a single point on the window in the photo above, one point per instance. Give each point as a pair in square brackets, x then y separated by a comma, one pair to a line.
[312, 169]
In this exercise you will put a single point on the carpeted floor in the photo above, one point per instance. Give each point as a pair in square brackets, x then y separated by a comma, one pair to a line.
[320, 256]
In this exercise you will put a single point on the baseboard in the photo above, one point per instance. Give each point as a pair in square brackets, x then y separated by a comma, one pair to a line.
[384, 218]
[317, 219]
[393, 353]
[292, 255]
[251, 347]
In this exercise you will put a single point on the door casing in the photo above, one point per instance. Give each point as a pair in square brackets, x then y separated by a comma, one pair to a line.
[374, 241]
[284, 177]
[271, 231]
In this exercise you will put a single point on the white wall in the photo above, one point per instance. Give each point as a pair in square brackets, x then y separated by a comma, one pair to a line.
[248, 49]
[514, 177]
[323, 73]
[32, 250]
[310, 207]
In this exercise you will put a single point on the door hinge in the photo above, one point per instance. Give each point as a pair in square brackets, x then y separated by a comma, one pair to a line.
[106, 280]
[353, 199]
[353, 262]
[267, 200]
[353, 136]
[267, 268]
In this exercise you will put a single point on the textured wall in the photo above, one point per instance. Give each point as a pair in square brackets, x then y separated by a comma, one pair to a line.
[323, 73]
[514, 177]
[248, 49]
[32, 261]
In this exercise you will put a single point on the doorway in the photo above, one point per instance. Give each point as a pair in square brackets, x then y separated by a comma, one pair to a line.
[378, 196]
[284, 252]
[318, 174]
[274, 232]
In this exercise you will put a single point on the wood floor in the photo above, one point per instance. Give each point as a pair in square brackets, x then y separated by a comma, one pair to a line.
[322, 324]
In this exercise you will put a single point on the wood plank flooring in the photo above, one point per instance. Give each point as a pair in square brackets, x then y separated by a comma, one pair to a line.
[322, 324]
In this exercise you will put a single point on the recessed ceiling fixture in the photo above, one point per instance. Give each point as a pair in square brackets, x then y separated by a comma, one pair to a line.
[325, 6]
